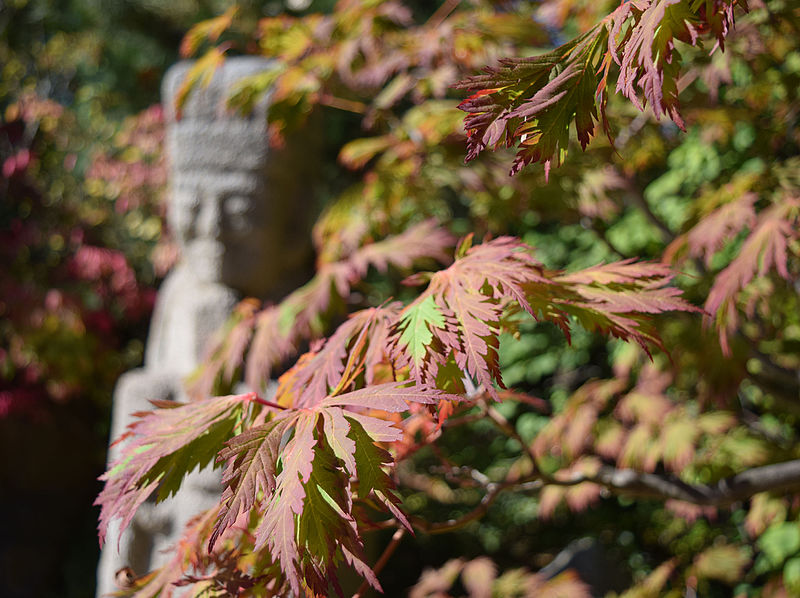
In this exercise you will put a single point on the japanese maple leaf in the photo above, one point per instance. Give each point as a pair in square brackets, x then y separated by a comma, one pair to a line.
[764, 249]
[162, 447]
[297, 470]
[362, 339]
[532, 102]
[535, 101]
[460, 312]
[620, 297]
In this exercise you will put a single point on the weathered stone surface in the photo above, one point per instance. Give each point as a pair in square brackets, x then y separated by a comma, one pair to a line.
[240, 212]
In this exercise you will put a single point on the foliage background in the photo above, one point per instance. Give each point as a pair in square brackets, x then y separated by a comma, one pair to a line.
[74, 71]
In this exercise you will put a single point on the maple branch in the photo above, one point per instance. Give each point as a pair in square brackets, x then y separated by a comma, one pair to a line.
[266, 403]
[438, 17]
[776, 477]
[387, 553]
[327, 99]
[502, 424]
[493, 491]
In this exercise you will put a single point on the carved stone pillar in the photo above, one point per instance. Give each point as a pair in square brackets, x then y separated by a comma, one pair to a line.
[240, 211]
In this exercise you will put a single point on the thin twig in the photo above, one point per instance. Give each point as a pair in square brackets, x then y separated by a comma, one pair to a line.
[640, 201]
[327, 99]
[384, 558]
[266, 403]
[442, 13]
[502, 423]
[494, 491]
[779, 477]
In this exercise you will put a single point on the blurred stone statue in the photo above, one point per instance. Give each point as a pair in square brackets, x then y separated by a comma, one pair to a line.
[240, 211]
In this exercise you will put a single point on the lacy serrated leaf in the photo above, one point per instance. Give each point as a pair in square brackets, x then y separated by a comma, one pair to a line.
[415, 328]
[162, 447]
[296, 469]
[617, 298]
[361, 340]
[460, 312]
[277, 528]
[648, 61]
[764, 249]
[251, 458]
[532, 102]
[326, 524]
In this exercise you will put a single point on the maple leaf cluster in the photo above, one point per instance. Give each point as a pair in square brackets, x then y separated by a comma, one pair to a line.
[301, 460]
[313, 467]
[533, 102]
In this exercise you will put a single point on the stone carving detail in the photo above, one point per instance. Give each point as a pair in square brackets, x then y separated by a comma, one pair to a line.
[240, 212]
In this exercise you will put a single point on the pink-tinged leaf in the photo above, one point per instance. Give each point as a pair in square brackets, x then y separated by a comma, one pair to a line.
[690, 512]
[362, 569]
[477, 357]
[710, 234]
[642, 301]
[678, 442]
[187, 557]
[435, 582]
[461, 310]
[617, 299]
[478, 576]
[610, 441]
[549, 498]
[277, 528]
[251, 459]
[422, 241]
[579, 432]
[270, 346]
[297, 470]
[393, 397]
[627, 271]
[300, 316]
[337, 429]
[641, 451]
[648, 54]
[764, 249]
[534, 101]
[580, 496]
[363, 338]
[162, 447]
[380, 430]
[225, 352]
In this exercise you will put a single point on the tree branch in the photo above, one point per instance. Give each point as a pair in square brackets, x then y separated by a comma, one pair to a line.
[502, 423]
[777, 477]
[640, 202]
[493, 491]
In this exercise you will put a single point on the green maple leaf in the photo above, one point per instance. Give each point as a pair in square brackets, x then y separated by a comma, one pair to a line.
[163, 447]
[416, 323]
